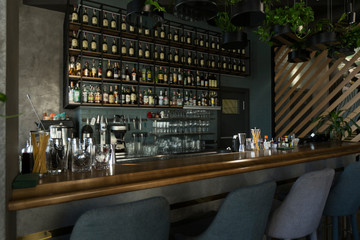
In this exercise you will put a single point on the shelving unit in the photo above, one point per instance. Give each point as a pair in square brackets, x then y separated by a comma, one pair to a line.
[134, 61]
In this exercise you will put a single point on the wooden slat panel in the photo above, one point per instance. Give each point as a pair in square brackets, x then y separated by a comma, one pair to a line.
[284, 77]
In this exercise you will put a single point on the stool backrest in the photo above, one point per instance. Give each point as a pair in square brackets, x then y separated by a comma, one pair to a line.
[300, 213]
[243, 214]
[344, 197]
[145, 219]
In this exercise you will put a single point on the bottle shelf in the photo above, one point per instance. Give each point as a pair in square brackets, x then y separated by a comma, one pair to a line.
[180, 134]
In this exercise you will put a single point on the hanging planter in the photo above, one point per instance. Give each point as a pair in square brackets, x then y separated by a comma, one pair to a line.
[325, 38]
[195, 10]
[298, 55]
[234, 40]
[142, 14]
[248, 13]
[337, 53]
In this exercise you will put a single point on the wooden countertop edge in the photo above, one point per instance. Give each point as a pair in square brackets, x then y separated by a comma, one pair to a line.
[26, 203]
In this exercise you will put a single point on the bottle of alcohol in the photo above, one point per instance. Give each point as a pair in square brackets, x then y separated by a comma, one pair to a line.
[104, 45]
[143, 74]
[201, 42]
[148, 74]
[116, 95]
[140, 51]
[186, 98]
[179, 99]
[94, 18]
[84, 94]
[162, 54]
[127, 96]
[105, 96]
[99, 71]
[234, 68]
[212, 62]
[114, 47]
[188, 38]
[105, 21]
[198, 79]
[176, 35]
[166, 99]
[86, 70]
[113, 22]
[217, 44]
[123, 23]
[166, 80]
[140, 30]
[123, 48]
[170, 56]
[72, 66]
[162, 33]
[213, 43]
[123, 95]
[182, 38]
[133, 74]
[195, 60]
[116, 71]
[74, 15]
[91, 95]
[111, 96]
[74, 41]
[171, 77]
[71, 93]
[161, 76]
[189, 58]
[85, 43]
[173, 99]
[175, 77]
[229, 64]
[156, 99]
[180, 79]
[93, 72]
[109, 72]
[202, 61]
[206, 41]
[206, 82]
[147, 51]
[93, 44]
[183, 59]
[133, 96]
[188, 78]
[131, 28]
[161, 98]
[140, 98]
[147, 32]
[131, 49]
[151, 97]
[176, 56]
[185, 77]
[97, 95]
[78, 67]
[156, 53]
[224, 64]
[196, 40]
[127, 73]
[202, 80]
[156, 33]
[243, 67]
[170, 35]
[77, 93]
[85, 17]
[146, 98]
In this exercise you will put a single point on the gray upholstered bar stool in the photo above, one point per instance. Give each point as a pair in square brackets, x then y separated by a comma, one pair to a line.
[141, 220]
[242, 215]
[300, 213]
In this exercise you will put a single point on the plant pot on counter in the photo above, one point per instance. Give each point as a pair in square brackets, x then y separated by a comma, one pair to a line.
[140, 14]
[248, 13]
[299, 55]
[234, 40]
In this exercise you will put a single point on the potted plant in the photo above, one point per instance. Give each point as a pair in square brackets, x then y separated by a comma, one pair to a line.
[299, 53]
[337, 124]
[324, 35]
[233, 36]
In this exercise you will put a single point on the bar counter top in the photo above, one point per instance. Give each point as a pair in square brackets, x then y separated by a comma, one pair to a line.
[166, 170]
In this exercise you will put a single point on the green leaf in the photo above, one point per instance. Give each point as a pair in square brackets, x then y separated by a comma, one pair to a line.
[3, 97]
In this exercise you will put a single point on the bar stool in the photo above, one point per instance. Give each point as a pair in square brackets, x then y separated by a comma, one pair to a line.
[145, 219]
[344, 199]
[300, 213]
[242, 215]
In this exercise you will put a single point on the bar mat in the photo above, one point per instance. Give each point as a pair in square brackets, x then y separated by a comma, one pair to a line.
[25, 181]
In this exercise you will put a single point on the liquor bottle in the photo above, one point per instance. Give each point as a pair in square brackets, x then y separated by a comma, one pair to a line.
[140, 51]
[127, 96]
[165, 76]
[77, 93]
[140, 98]
[85, 17]
[166, 99]
[199, 100]
[109, 72]
[85, 43]
[93, 69]
[175, 77]
[183, 59]
[151, 97]
[229, 64]
[213, 43]
[148, 74]
[113, 22]
[176, 35]
[86, 71]
[188, 38]
[170, 56]
[182, 38]
[195, 60]
[131, 28]
[212, 62]
[234, 68]
[123, 48]
[105, 96]
[123, 95]
[147, 32]
[188, 78]
[74, 41]
[224, 64]
[202, 61]
[147, 51]
[202, 80]
[71, 93]
[176, 56]
[171, 78]
[99, 71]
[198, 78]
[190, 103]
[72, 66]
[116, 95]
[114, 47]
[180, 79]
[208, 62]
[161, 98]
[104, 45]
[93, 44]
[206, 81]
[170, 35]
[74, 15]
[140, 30]
[162, 33]
[123, 23]
[156, 99]
[179, 99]
[127, 73]
[243, 67]
[201, 42]
[160, 76]
[217, 44]
[189, 58]
[116, 71]
[105, 21]
[133, 74]
[156, 53]
[78, 67]
[173, 99]
[146, 98]
[196, 41]
[206, 40]
[162, 54]
[131, 49]
[94, 19]
[194, 100]
[91, 95]
[97, 95]
[243, 51]
[186, 98]
[143, 74]
[156, 33]
[111, 96]
[84, 94]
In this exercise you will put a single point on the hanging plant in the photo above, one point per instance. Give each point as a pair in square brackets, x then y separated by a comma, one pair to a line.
[156, 5]
[3, 97]
[299, 52]
[222, 20]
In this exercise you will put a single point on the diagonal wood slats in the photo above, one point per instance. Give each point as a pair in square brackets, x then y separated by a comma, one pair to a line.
[304, 91]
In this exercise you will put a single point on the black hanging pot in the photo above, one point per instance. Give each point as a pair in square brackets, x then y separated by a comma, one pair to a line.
[280, 30]
[299, 55]
[195, 10]
[140, 14]
[336, 53]
[325, 38]
[248, 13]
[234, 40]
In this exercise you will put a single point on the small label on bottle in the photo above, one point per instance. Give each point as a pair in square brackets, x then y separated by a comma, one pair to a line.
[140, 53]
[111, 99]
[113, 49]
[162, 56]
[131, 51]
[94, 21]
[176, 58]
[131, 28]
[74, 43]
[176, 38]
[93, 72]
[85, 19]
[74, 17]
[105, 47]
[109, 74]
[123, 50]
[105, 22]
[113, 24]
[162, 34]
[85, 44]
[93, 46]
[123, 27]
[147, 32]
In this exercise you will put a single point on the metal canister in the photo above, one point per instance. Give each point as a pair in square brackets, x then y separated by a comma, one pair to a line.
[235, 143]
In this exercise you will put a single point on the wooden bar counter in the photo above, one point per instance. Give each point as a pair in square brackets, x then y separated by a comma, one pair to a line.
[167, 170]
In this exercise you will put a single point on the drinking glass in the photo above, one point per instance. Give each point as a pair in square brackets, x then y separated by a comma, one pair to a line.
[56, 156]
[102, 156]
[81, 160]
